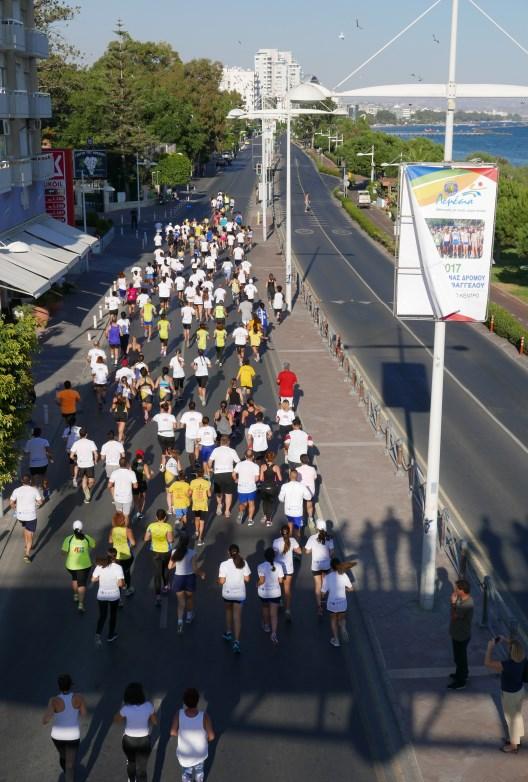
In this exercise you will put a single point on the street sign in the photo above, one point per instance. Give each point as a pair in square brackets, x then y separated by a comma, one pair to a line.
[58, 189]
[90, 163]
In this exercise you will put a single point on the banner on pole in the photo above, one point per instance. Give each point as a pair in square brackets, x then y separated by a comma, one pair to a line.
[58, 189]
[447, 222]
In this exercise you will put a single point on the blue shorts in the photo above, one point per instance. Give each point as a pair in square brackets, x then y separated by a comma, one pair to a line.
[205, 453]
[147, 323]
[297, 521]
[247, 497]
[184, 583]
[180, 512]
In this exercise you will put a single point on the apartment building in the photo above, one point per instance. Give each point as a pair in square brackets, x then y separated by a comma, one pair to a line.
[277, 72]
[245, 82]
[35, 250]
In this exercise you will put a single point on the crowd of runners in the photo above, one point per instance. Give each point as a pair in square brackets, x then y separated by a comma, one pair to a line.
[237, 461]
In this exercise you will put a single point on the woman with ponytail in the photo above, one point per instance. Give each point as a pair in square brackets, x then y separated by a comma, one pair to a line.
[336, 584]
[321, 546]
[285, 547]
[270, 578]
[233, 576]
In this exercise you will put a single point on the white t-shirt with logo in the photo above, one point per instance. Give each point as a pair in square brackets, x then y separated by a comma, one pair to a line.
[298, 442]
[166, 423]
[85, 451]
[240, 335]
[250, 291]
[259, 432]
[224, 459]
[176, 364]
[234, 587]
[123, 480]
[111, 452]
[109, 578]
[271, 586]
[27, 499]
[247, 473]
[285, 417]
[100, 374]
[292, 495]
[335, 584]
[201, 366]
[285, 558]
[191, 419]
[207, 435]
[321, 552]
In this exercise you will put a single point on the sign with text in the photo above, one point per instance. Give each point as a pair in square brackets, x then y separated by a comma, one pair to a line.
[58, 189]
[447, 222]
[90, 163]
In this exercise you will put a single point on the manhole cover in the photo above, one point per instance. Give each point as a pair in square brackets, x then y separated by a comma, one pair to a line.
[304, 231]
[341, 231]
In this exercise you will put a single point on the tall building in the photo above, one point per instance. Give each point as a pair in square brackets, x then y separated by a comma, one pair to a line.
[35, 250]
[277, 72]
[243, 81]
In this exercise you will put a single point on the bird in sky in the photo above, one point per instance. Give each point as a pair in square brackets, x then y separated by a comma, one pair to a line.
[415, 76]
[240, 42]
[358, 24]
[435, 39]
[341, 36]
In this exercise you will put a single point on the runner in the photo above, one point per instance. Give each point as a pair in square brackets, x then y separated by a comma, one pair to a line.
[246, 474]
[321, 546]
[78, 563]
[296, 443]
[287, 381]
[285, 417]
[66, 709]
[25, 500]
[205, 444]
[120, 408]
[124, 333]
[167, 425]
[245, 377]
[100, 374]
[234, 401]
[256, 337]
[194, 730]
[285, 547]
[222, 461]
[270, 288]
[233, 576]
[122, 539]
[220, 336]
[201, 365]
[145, 387]
[334, 590]
[178, 498]
[121, 485]
[270, 481]
[147, 312]
[143, 474]
[131, 298]
[84, 453]
[111, 453]
[70, 435]
[67, 400]
[292, 495]
[258, 436]
[113, 335]
[202, 337]
[223, 420]
[199, 492]
[307, 474]
[163, 332]
[139, 716]
[270, 578]
[159, 535]
[38, 451]
[109, 577]
[165, 387]
[191, 420]
[278, 303]
[177, 365]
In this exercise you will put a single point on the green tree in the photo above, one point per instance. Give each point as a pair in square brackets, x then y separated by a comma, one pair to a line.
[18, 343]
[173, 169]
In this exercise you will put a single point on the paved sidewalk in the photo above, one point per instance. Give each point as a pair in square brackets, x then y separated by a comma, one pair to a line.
[455, 735]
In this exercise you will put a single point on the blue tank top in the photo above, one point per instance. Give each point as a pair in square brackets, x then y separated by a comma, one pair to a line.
[114, 334]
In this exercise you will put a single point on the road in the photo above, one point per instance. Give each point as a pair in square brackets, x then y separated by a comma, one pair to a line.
[485, 422]
[289, 713]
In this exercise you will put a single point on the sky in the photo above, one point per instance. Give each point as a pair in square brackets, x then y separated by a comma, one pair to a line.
[311, 30]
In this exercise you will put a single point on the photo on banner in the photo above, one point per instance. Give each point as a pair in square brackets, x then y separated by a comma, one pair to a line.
[445, 248]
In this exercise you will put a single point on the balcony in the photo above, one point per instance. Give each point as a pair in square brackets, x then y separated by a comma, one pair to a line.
[5, 176]
[12, 35]
[39, 105]
[37, 44]
[19, 104]
[22, 172]
[42, 166]
[5, 104]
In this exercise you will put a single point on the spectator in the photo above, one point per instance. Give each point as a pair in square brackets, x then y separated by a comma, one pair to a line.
[460, 631]
[513, 674]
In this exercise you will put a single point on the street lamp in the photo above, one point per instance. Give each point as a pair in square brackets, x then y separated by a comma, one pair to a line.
[371, 156]
[139, 163]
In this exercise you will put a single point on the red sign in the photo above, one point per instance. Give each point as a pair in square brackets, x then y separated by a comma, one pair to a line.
[58, 190]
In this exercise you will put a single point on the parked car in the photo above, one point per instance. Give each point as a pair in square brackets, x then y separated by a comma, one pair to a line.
[364, 199]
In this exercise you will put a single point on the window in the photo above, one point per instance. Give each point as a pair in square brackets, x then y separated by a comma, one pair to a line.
[20, 76]
[3, 141]
[15, 10]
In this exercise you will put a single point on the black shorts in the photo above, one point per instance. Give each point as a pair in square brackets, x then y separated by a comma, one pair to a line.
[141, 489]
[269, 599]
[164, 342]
[120, 418]
[164, 299]
[166, 442]
[202, 381]
[88, 471]
[178, 382]
[81, 576]
[224, 483]
[38, 470]
[199, 514]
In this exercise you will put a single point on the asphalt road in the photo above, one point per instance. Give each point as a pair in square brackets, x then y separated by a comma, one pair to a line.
[485, 421]
[288, 713]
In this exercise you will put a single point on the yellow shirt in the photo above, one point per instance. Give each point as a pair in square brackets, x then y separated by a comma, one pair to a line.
[158, 534]
[200, 488]
[246, 373]
[179, 492]
[120, 543]
[202, 335]
[148, 311]
[163, 328]
[219, 312]
[220, 337]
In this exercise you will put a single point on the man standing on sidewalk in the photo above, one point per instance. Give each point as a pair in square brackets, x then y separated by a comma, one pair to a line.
[460, 631]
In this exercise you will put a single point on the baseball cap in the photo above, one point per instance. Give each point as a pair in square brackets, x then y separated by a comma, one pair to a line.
[77, 525]
[139, 452]
[321, 524]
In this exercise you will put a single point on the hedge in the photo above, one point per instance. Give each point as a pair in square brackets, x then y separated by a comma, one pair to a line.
[365, 222]
[506, 325]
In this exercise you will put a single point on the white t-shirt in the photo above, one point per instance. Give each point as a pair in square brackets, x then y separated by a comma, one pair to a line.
[180, 282]
[158, 241]
[137, 719]
[176, 364]
[124, 326]
[335, 584]
[164, 290]
[247, 473]
[142, 300]
[271, 586]
[27, 499]
[100, 374]
[224, 459]
[109, 578]
[112, 302]
[36, 448]
[285, 558]
[71, 435]
[125, 372]
[201, 366]
[187, 314]
[111, 452]
[191, 419]
[321, 552]
[185, 567]
[298, 442]
[159, 254]
[234, 587]
[85, 451]
[123, 479]
[238, 253]
[259, 432]
[166, 423]
[292, 495]
[278, 301]
[240, 335]
[307, 475]
[93, 355]
[246, 266]
[285, 417]
[219, 295]
[250, 291]
[227, 266]
[207, 435]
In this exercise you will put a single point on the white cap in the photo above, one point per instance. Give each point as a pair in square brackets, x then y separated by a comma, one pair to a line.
[321, 524]
[251, 280]
[77, 525]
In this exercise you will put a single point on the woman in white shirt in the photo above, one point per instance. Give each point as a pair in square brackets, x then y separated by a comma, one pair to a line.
[184, 568]
[177, 365]
[336, 584]
[138, 714]
[320, 546]
[285, 547]
[110, 578]
[233, 576]
[100, 380]
[270, 578]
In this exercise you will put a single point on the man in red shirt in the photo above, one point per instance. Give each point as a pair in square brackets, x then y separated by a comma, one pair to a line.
[287, 380]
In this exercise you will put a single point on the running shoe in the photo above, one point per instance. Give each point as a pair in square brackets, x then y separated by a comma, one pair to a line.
[112, 638]
[274, 639]
[251, 522]
[180, 628]
[266, 628]
[268, 522]
[227, 636]
[27, 559]
[81, 609]
[236, 647]
[200, 543]
[162, 468]
[165, 589]
[335, 641]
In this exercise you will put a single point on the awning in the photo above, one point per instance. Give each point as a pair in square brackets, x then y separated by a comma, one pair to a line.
[42, 230]
[69, 232]
[19, 279]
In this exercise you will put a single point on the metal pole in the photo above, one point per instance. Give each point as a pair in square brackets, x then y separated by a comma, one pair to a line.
[288, 211]
[372, 164]
[138, 191]
[83, 201]
[427, 584]
[264, 181]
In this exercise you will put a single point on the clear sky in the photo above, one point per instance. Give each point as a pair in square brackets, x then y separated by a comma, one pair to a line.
[231, 32]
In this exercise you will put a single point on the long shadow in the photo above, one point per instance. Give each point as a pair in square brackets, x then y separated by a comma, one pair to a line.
[494, 544]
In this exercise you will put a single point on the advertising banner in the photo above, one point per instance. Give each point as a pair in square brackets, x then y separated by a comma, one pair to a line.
[447, 221]
[58, 190]
[90, 163]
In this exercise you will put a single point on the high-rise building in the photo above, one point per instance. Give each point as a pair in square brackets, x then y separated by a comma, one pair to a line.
[35, 250]
[277, 72]
[243, 81]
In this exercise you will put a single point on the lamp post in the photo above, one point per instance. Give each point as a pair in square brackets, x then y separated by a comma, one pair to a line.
[371, 156]
[138, 192]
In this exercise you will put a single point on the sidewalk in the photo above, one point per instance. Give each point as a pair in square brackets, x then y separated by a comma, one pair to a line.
[455, 735]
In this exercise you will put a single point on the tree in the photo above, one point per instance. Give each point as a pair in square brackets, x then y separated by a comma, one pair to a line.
[173, 169]
[18, 343]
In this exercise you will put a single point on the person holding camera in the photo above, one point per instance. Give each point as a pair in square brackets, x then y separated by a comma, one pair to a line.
[460, 631]
[514, 673]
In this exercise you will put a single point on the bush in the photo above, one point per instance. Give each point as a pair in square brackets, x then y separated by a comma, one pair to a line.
[91, 219]
[365, 222]
[102, 226]
[506, 325]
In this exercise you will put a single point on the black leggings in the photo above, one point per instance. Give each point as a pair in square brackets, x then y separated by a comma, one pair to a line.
[137, 750]
[67, 757]
[103, 613]
[126, 564]
[123, 339]
[161, 572]
[268, 496]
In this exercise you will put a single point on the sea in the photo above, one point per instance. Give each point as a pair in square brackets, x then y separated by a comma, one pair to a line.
[504, 139]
